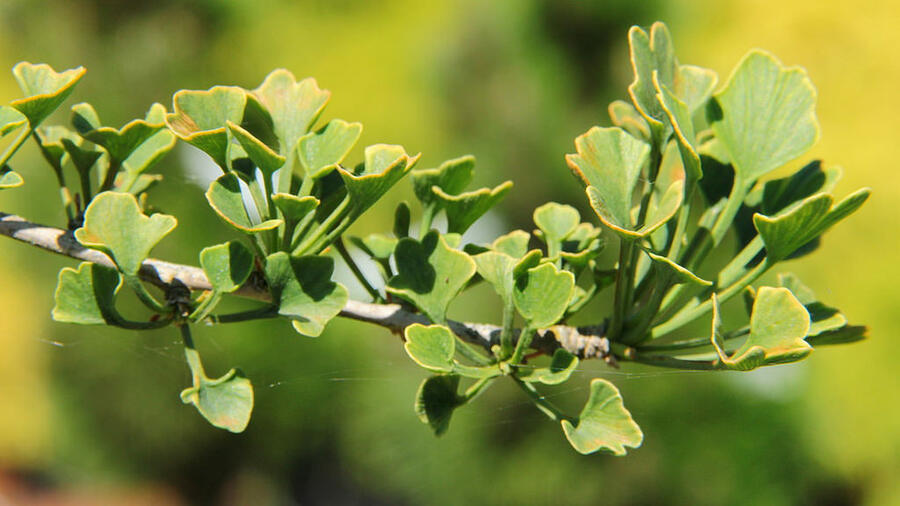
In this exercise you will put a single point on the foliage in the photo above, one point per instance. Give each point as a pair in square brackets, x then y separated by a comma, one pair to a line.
[287, 189]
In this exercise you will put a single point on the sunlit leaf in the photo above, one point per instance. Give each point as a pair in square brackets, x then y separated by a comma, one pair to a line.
[262, 155]
[115, 225]
[464, 209]
[542, 295]
[224, 195]
[430, 274]
[10, 178]
[323, 149]
[44, 88]
[452, 177]
[384, 166]
[200, 117]
[561, 367]
[604, 424]
[304, 292]
[86, 295]
[10, 119]
[432, 346]
[226, 265]
[119, 143]
[294, 207]
[225, 402]
[294, 106]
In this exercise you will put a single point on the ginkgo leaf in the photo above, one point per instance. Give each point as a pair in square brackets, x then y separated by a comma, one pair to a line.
[464, 209]
[436, 399]
[542, 295]
[224, 196]
[294, 105]
[227, 266]
[430, 274]
[119, 143]
[226, 402]
[86, 295]
[115, 225]
[200, 117]
[323, 149]
[452, 177]
[604, 424]
[304, 292]
[384, 166]
[44, 88]
[561, 367]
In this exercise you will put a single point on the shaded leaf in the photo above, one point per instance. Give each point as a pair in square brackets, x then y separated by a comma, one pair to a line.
[304, 292]
[451, 177]
[556, 222]
[121, 143]
[384, 166]
[432, 346]
[224, 195]
[44, 88]
[378, 246]
[430, 274]
[675, 272]
[10, 120]
[436, 399]
[625, 116]
[115, 225]
[604, 424]
[262, 155]
[293, 207]
[514, 244]
[86, 295]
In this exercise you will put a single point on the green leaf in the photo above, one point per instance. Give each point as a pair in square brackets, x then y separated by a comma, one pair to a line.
[10, 119]
[149, 153]
[121, 143]
[86, 295]
[262, 155]
[10, 178]
[225, 402]
[436, 399]
[115, 225]
[293, 207]
[402, 218]
[227, 266]
[451, 177]
[654, 53]
[604, 424]
[432, 346]
[304, 292]
[557, 222]
[322, 150]
[224, 195]
[679, 116]
[384, 166]
[45, 89]
[378, 246]
[464, 209]
[778, 325]
[625, 116]
[200, 118]
[765, 117]
[785, 233]
[822, 318]
[675, 272]
[294, 106]
[609, 162]
[562, 365]
[430, 274]
[542, 295]
[514, 244]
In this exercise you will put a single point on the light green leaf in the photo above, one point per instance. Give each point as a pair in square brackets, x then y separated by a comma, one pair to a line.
[432, 346]
[224, 195]
[293, 207]
[823, 318]
[294, 106]
[663, 210]
[115, 225]
[200, 118]
[227, 266]
[679, 116]
[10, 120]
[451, 177]
[765, 117]
[430, 274]
[304, 292]
[778, 325]
[464, 209]
[323, 149]
[149, 153]
[625, 116]
[542, 295]
[121, 143]
[436, 399]
[562, 365]
[10, 178]
[86, 295]
[225, 402]
[675, 272]
[44, 89]
[514, 244]
[786, 232]
[604, 424]
[378, 246]
[262, 155]
[384, 166]
[557, 222]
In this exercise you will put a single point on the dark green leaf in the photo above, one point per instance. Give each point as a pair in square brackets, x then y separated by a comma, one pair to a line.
[464, 209]
[451, 177]
[436, 400]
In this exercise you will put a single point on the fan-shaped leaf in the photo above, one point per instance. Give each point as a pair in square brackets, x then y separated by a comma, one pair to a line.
[304, 292]
[323, 149]
[383, 167]
[224, 195]
[432, 346]
[562, 365]
[542, 294]
[464, 209]
[121, 143]
[436, 399]
[115, 225]
[430, 274]
[604, 424]
[225, 402]
[44, 89]
[294, 106]
[86, 295]
[10, 119]
[293, 207]
[199, 118]
[451, 177]
[9, 178]
[227, 265]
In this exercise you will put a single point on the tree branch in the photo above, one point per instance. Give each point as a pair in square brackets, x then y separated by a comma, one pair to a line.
[584, 342]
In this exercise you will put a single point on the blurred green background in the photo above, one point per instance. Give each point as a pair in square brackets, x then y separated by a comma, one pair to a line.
[93, 415]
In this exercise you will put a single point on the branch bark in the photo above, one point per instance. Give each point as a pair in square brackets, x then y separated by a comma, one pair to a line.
[584, 342]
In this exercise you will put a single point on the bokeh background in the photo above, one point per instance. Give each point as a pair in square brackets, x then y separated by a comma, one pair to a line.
[92, 415]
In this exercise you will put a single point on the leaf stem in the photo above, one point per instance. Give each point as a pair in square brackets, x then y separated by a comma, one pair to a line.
[135, 283]
[261, 313]
[354, 268]
[506, 333]
[541, 402]
[16, 144]
[622, 280]
[522, 344]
